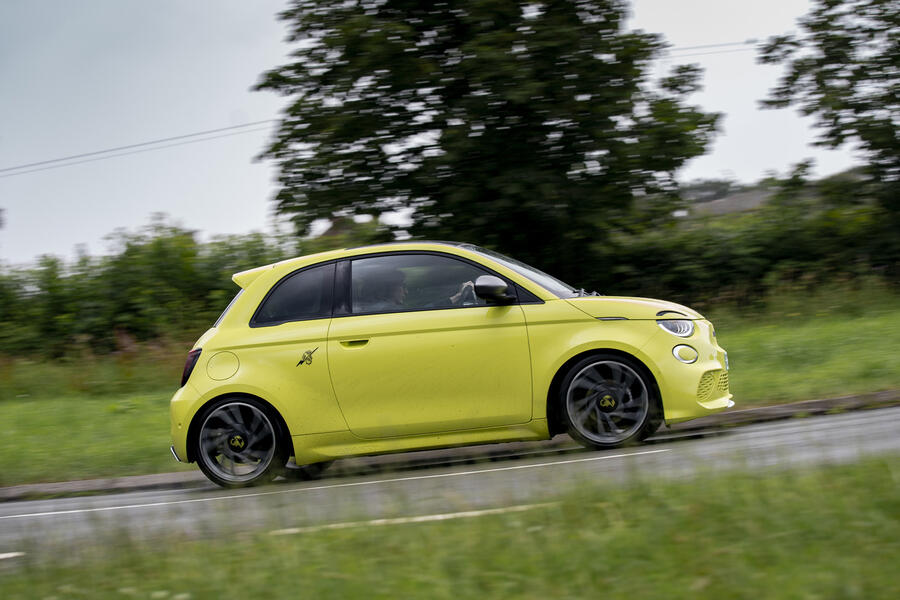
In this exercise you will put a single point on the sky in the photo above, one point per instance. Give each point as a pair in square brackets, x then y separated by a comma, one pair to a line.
[79, 77]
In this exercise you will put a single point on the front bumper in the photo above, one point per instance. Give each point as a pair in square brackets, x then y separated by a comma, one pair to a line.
[692, 390]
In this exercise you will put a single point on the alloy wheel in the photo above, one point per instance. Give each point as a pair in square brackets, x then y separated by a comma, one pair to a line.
[607, 402]
[237, 443]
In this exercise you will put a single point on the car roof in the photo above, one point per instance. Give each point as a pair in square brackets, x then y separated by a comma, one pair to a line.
[463, 249]
[402, 242]
[244, 278]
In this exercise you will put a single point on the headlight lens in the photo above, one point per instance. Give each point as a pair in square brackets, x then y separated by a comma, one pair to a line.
[680, 327]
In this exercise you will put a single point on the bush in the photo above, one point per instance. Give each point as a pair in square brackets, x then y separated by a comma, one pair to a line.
[799, 241]
[159, 282]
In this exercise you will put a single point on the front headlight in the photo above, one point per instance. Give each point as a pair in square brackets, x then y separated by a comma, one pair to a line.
[680, 327]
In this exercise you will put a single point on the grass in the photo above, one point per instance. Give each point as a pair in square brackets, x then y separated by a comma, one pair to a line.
[90, 416]
[84, 437]
[804, 359]
[140, 369]
[108, 416]
[831, 343]
[832, 532]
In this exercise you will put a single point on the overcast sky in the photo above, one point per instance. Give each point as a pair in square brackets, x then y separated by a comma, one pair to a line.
[78, 77]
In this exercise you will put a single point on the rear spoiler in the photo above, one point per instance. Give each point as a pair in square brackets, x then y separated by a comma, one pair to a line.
[245, 278]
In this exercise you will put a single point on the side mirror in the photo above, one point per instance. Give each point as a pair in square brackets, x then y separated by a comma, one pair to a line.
[493, 289]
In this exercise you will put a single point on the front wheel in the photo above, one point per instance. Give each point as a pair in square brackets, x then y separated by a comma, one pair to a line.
[608, 401]
[239, 443]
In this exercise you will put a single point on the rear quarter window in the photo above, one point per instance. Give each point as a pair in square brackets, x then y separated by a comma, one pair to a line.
[301, 296]
[227, 308]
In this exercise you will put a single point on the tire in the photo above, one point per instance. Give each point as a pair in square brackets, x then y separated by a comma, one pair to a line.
[306, 472]
[240, 443]
[608, 401]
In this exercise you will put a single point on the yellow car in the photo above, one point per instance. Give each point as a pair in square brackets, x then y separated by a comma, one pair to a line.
[416, 345]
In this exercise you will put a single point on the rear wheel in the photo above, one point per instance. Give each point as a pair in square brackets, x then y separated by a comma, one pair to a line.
[240, 443]
[608, 400]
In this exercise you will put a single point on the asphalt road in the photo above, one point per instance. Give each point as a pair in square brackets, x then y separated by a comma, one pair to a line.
[64, 529]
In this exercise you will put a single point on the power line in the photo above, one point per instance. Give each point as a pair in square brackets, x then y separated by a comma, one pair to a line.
[748, 46]
[710, 53]
[66, 161]
[128, 147]
[750, 42]
[96, 158]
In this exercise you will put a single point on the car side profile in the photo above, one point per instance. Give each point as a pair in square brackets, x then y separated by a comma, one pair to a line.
[416, 345]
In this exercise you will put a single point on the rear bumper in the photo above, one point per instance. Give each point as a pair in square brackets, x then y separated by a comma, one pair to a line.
[179, 414]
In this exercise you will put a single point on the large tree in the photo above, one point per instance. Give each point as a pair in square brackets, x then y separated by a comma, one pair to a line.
[843, 68]
[530, 127]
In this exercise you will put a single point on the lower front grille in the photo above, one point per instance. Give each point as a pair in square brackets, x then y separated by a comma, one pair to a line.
[722, 388]
[712, 384]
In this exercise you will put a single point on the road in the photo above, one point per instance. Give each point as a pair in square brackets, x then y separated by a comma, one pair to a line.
[63, 528]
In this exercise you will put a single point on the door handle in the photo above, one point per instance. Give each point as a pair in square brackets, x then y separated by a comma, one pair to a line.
[354, 343]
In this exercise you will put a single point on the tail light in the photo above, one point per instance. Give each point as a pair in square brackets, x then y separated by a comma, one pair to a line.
[192, 358]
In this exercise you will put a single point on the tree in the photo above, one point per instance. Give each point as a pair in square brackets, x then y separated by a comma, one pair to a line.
[707, 190]
[844, 69]
[530, 127]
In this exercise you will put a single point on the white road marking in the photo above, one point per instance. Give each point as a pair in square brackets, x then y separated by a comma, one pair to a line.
[54, 513]
[420, 519]
[6, 555]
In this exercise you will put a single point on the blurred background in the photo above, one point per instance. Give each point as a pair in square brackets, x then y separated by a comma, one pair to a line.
[739, 158]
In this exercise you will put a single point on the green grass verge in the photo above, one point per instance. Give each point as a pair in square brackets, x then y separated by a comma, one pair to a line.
[84, 437]
[108, 416]
[830, 343]
[827, 533]
[822, 357]
[142, 369]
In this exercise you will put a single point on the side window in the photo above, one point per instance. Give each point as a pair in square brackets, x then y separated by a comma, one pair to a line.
[304, 295]
[412, 282]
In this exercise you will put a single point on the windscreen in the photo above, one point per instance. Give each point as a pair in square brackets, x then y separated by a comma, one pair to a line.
[548, 282]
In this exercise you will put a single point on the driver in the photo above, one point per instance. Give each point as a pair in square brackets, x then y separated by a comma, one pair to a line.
[387, 291]
[384, 291]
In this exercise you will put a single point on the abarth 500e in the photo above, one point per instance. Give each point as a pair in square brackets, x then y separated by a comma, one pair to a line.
[416, 345]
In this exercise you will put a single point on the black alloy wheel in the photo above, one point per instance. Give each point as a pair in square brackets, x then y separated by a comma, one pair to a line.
[240, 443]
[608, 401]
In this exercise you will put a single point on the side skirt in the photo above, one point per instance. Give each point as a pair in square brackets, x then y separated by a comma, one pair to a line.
[318, 447]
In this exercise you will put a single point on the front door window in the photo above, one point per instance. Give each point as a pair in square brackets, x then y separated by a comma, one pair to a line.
[412, 282]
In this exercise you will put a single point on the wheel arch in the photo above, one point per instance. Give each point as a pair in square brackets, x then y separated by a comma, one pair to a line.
[194, 427]
[555, 421]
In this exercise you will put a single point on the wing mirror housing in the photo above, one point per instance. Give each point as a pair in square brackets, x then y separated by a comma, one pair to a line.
[493, 289]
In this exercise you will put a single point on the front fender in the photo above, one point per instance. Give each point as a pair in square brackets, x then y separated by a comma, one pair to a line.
[558, 333]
